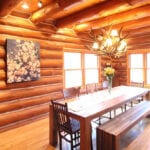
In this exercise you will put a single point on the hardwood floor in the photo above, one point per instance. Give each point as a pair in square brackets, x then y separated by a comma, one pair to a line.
[35, 136]
[135, 134]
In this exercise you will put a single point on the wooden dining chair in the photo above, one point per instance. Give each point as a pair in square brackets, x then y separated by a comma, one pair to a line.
[91, 88]
[140, 98]
[68, 128]
[98, 86]
[71, 92]
[137, 84]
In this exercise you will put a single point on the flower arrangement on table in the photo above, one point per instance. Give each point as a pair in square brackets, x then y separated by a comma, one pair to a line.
[109, 73]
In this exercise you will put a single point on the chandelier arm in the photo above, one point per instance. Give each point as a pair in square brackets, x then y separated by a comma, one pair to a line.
[105, 33]
[109, 43]
[120, 31]
[89, 47]
[110, 29]
[126, 36]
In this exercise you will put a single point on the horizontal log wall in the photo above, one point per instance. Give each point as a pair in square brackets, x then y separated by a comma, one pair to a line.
[22, 102]
[120, 66]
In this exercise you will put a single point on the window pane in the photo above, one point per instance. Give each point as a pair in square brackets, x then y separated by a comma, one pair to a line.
[73, 78]
[91, 76]
[148, 76]
[136, 61]
[91, 61]
[148, 60]
[136, 75]
[148, 68]
[72, 60]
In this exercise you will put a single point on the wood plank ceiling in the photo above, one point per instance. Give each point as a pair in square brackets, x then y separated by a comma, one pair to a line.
[82, 15]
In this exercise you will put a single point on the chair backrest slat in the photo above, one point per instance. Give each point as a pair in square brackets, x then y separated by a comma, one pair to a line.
[62, 117]
[90, 88]
[137, 84]
[71, 92]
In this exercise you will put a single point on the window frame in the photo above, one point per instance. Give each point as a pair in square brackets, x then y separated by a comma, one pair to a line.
[83, 69]
[144, 52]
[70, 69]
[90, 68]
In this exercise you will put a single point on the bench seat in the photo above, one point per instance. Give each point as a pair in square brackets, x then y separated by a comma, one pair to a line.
[108, 134]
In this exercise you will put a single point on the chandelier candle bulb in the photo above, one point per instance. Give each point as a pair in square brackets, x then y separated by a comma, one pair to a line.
[114, 33]
[40, 4]
[110, 43]
[95, 45]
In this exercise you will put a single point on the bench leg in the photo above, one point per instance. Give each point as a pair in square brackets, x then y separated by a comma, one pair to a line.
[106, 141]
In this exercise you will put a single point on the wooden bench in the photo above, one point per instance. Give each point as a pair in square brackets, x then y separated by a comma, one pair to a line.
[108, 134]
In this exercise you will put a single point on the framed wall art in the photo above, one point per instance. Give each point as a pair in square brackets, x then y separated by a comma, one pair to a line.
[23, 60]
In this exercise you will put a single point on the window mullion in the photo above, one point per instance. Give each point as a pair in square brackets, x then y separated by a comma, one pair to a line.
[82, 69]
[145, 67]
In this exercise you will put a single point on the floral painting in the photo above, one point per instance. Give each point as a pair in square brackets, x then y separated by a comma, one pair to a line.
[23, 62]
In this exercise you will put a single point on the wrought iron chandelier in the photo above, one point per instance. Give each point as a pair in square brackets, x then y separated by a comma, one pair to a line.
[110, 43]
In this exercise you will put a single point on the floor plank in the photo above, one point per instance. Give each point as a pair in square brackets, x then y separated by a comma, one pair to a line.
[35, 136]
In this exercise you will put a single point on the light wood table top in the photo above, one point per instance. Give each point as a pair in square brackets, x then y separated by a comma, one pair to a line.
[87, 107]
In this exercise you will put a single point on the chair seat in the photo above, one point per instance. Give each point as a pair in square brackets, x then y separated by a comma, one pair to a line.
[68, 128]
[75, 124]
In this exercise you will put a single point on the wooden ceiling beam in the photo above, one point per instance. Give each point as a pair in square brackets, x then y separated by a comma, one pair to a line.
[140, 32]
[139, 46]
[65, 3]
[75, 7]
[131, 27]
[133, 2]
[98, 11]
[138, 40]
[61, 10]
[6, 6]
[44, 13]
[130, 15]
[133, 24]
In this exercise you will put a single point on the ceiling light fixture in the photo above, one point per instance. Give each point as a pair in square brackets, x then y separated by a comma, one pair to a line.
[25, 6]
[110, 43]
[40, 4]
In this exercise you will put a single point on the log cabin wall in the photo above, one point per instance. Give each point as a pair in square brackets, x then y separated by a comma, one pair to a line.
[120, 66]
[25, 101]
[21, 102]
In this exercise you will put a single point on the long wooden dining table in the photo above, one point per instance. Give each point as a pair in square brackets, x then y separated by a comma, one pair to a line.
[87, 107]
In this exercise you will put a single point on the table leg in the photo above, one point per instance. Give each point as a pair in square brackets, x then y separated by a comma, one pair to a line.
[52, 128]
[147, 96]
[85, 134]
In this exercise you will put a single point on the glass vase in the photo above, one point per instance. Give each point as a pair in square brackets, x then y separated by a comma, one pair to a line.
[109, 85]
